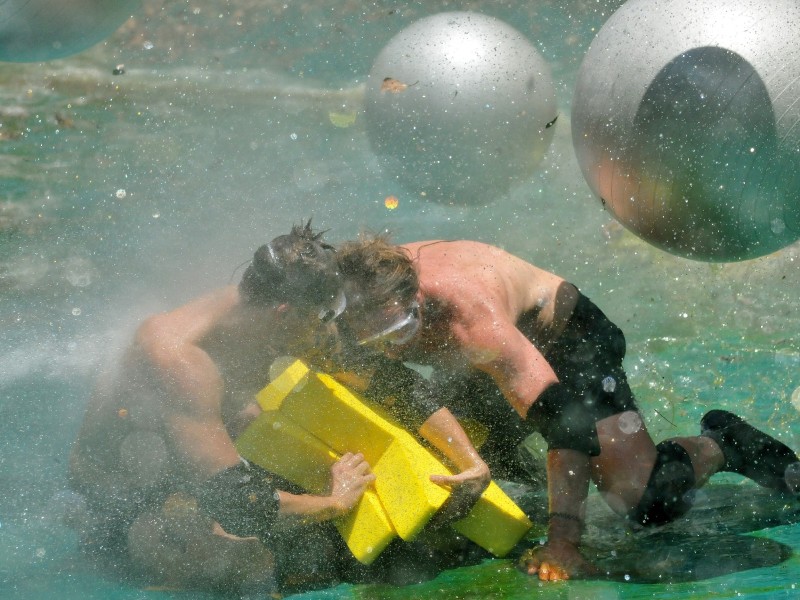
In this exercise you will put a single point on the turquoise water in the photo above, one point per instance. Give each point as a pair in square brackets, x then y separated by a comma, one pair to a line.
[123, 195]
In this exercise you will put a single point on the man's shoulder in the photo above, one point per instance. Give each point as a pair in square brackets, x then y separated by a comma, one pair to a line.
[177, 322]
[432, 246]
[460, 253]
[152, 328]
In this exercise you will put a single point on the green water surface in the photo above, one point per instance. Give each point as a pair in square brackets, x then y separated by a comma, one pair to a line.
[125, 194]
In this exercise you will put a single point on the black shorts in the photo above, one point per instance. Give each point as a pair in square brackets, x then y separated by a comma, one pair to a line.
[587, 358]
[589, 351]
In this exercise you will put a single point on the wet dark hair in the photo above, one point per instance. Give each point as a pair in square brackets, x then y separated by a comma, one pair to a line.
[377, 273]
[297, 268]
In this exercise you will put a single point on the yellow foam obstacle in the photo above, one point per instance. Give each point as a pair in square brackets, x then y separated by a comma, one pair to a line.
[309, 420]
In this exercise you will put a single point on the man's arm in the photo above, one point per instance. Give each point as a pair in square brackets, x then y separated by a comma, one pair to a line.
[242, 497]
[524, 376]
[193, 390]
[350, 478]
[490, 341]
[567, 488]
[445, 433]
[411, 399]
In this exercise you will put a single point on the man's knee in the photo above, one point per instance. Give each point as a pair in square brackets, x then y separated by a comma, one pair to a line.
[668, 494]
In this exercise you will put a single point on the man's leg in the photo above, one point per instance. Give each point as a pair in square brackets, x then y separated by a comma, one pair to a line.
[627, 455]
[652, 484]
[749, 451]
[179, 546]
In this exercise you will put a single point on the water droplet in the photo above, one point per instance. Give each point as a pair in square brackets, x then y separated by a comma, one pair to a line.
[777, 225]
[627, 577]
[76, 312]
[629, 422]
[796, 399]
[293, 136]
[787, 357]
[121, 193]
[148, 45]
[79, 271]
[40, 552]
[609, 385]
[792, 477]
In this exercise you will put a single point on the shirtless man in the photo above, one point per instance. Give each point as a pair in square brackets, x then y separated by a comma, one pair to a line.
[155, 457]
[475, 312]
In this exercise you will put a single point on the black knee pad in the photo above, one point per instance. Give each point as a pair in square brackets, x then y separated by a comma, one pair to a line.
[667, 495]
[564, 420]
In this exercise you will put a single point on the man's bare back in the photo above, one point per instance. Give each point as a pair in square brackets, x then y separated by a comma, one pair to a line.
[557, 359]
[466, 272]
[482, 299]
[129, 410]
[155, 457]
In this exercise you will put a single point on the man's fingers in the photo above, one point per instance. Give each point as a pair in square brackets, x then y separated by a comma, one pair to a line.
[366, 476]
[451, 480]
[350, 460]
[444, 479]
[363, 467]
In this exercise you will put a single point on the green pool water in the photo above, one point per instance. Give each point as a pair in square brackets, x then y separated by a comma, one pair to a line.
[122, 195]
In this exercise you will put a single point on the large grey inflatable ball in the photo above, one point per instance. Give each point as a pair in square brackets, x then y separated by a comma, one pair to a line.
[40, 30]
[686, 123]
[459, 107]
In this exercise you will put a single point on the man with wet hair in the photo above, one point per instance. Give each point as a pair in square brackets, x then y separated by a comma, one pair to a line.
[167, 492]
[522, 350]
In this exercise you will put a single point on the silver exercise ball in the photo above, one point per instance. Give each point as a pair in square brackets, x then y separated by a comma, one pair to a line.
[39, 30]
[459, 106]
[686, 123]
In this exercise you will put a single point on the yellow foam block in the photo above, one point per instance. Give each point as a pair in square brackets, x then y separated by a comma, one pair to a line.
[405, 489]
[332, 413]
[292, 378]
[496, 523]
[367, 529]
[279, 445]
[343, 422]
